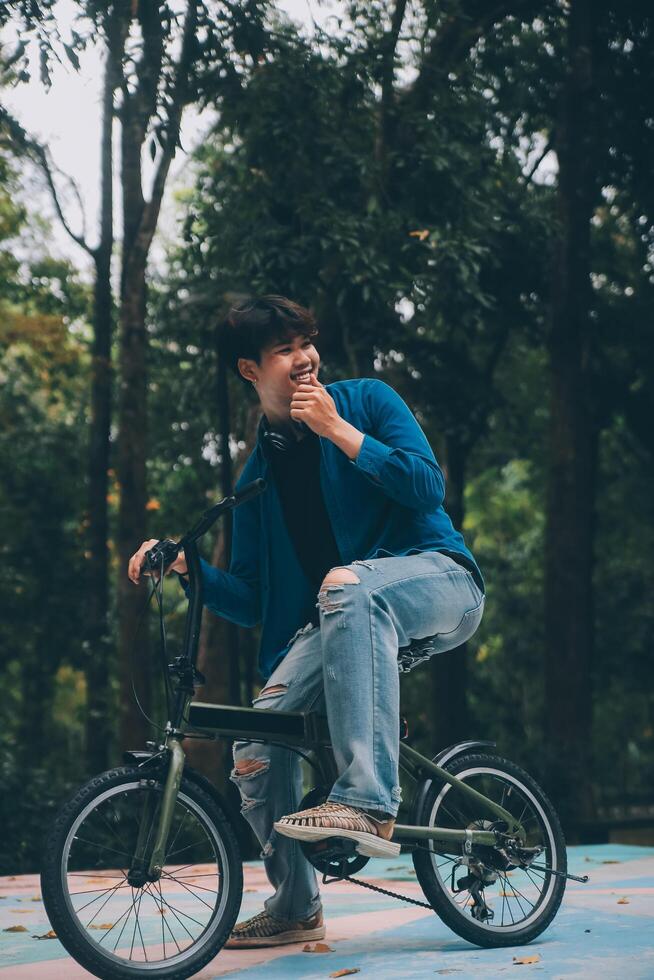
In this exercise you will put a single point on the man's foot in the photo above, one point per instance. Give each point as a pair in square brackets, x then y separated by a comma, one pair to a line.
[264, 929]
[338, 820]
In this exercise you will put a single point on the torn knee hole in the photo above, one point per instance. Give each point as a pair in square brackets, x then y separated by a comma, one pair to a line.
[275, 689]
[245, 767]
[339, 577]
[248, 804]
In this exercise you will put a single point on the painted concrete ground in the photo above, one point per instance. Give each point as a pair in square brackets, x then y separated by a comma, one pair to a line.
[604, 929]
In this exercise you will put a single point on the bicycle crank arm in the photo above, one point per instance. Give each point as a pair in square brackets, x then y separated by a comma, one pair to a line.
[559, 874]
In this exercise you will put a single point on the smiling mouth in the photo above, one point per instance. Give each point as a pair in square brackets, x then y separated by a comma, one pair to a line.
[304, 376]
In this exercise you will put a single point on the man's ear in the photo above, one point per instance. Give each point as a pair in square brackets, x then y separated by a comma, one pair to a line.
[247, 368]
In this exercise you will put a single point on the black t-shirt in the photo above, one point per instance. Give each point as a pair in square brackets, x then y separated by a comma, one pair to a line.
[297, 477]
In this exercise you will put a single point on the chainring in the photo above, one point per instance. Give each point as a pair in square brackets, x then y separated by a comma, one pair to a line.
[335, 857]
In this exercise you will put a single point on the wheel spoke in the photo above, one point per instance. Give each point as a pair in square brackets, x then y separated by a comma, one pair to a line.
[209, 874]
[518, 892]
[139, 925]
[534, 883]
[91, 891]
[189, 887]
[164, 922]
[186, 848]
[179, 830]
[520, 901]
[186, 897]
[112, 830]
[175, 911]
[92, 874]
[112, 892]
[103, 847]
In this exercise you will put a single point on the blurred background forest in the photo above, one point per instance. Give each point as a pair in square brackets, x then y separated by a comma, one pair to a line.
[462, 192]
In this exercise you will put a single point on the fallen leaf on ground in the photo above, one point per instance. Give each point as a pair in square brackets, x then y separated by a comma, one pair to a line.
[346, 973]
[623, 901]
[610, 862]
[317, 948]
[22, 911]
[47, 935]
[15, 929]
[522, 960]
[396, 867]
[35, 898]
[163, 911]
[250, 889]
[102, 925]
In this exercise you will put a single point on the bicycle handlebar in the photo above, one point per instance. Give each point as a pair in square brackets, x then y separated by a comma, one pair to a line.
[227, 503]
[166, 551]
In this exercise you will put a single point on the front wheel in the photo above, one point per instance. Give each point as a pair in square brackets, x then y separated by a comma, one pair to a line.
[489, 896]
[110, 919]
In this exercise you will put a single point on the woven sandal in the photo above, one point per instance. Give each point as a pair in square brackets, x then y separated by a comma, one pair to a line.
[338, 820]
[264, 929]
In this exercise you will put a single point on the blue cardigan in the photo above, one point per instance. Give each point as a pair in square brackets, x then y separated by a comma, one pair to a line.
[387, 501]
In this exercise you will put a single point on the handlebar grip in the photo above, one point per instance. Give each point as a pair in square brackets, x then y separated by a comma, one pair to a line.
[250, 490]
[165, 551]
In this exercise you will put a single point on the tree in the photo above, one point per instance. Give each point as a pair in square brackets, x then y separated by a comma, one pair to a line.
[97, 631]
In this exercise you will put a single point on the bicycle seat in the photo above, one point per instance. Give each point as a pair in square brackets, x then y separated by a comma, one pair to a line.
[416, 652]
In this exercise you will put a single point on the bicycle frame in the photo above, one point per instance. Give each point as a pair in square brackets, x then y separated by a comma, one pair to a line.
[295, 730]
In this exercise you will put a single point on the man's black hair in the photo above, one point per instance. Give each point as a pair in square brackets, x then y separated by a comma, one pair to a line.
[257, 323]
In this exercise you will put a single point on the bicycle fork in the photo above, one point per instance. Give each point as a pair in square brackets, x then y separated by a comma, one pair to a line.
[156, 818]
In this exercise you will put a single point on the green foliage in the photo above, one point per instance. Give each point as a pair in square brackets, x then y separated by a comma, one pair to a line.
[43, 406]
[406, 219]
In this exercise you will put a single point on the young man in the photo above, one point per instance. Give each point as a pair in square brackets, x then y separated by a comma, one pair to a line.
[346, 557]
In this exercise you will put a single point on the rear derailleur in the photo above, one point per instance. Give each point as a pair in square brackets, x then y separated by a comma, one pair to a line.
[474, 882]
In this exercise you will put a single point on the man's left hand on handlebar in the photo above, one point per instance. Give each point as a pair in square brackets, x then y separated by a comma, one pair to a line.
[138, 558]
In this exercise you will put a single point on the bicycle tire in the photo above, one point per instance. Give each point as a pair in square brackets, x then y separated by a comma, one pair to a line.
[442, 898]
[111, 788]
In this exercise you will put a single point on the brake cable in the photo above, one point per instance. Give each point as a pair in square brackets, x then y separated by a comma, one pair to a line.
[156, 591]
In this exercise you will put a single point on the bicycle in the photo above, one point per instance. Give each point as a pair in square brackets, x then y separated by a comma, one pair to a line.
[142, 874]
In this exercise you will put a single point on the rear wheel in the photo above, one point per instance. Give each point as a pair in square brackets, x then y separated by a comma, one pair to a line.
[111, 920]
[494, 896]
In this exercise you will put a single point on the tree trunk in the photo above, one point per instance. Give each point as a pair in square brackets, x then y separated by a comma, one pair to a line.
[572, 441]
[218, 656]
[132, 530]
[139, 109]
[449, 670]
[98, 728]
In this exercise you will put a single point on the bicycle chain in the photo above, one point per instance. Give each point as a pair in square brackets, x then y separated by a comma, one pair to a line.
[376, 888]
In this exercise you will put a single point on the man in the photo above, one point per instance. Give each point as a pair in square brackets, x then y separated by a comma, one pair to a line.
[346, 557]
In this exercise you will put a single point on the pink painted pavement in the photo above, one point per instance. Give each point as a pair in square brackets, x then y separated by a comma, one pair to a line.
[604, 929]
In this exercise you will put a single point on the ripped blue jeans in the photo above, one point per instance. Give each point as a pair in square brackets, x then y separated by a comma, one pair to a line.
[347, 668]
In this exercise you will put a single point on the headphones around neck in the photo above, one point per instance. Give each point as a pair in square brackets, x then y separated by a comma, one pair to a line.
[277, 442]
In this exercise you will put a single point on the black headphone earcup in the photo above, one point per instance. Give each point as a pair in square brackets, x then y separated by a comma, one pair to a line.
[276, 442]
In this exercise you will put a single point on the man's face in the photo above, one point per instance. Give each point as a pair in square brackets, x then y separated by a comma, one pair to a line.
[283, 367]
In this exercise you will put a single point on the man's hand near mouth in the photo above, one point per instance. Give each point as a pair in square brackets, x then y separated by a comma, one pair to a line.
[313, 405]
